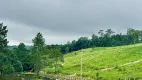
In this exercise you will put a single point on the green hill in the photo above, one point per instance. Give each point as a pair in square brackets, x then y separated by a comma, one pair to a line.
[100, 59]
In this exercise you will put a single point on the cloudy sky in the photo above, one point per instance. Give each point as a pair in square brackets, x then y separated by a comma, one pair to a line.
[65, 20]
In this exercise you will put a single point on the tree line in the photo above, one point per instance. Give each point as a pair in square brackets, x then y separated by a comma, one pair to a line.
[21, 59]
[106, 38]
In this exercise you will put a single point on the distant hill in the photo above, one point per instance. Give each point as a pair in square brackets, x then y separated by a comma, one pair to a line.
[12, 47]
[15, 46]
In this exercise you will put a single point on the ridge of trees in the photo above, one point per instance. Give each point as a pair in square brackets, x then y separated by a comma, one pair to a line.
[106, 38]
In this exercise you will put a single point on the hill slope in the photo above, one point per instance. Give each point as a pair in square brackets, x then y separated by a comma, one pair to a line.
[97, 59]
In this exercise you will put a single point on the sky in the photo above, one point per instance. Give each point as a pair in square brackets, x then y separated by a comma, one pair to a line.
[65, 20]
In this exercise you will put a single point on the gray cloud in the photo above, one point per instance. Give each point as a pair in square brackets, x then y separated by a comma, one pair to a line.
[19, 32]
[69, 18]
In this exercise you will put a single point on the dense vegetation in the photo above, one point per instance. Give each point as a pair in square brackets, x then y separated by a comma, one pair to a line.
[105, 39]
[20, 59]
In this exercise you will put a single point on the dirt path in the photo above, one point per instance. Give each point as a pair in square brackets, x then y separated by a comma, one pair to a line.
[129, 63]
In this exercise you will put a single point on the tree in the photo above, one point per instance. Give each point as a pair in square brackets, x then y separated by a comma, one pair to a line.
[73, 46]
[14, 61]
[3, 35]
[23, 56]
[5, 64]
[134, 33]
[38, 48]
[9, 63]
[109, 32]
[67, 49]
[140, 35]
[82, 43]
[94, 40]
[101, 33]
[57, 59]
[18, 66]
[39, 42]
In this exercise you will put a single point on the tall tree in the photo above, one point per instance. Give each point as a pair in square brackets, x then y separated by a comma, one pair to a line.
[5, 64]
[38, 47]
[39, 42]
[3, 35]
[8, 61]
[109, 32]
[101, 33]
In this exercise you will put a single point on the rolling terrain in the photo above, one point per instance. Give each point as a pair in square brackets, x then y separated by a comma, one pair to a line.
[109, 62]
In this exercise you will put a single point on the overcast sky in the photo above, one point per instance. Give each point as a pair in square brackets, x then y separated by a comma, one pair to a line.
[65, 20]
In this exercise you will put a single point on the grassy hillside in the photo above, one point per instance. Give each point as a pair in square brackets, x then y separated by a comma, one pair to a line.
[133, 71]
[95, 59]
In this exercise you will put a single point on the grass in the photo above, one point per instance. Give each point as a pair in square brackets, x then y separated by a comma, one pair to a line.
[132, 71]
[95, 59]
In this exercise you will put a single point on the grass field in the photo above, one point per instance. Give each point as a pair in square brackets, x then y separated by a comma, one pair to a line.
[95, 59]
[133, 71]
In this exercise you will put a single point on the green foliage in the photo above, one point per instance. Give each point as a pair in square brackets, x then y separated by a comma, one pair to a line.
[38, 42]
[3, 35]
[23, 56]
[11, 61]
[14, 61]
[134, 33]
[38, 53]
[7, 59]
[18, 66]
[106, 39]
[103, 57]
[101, 33]
[57, 59]
[6, 65]
[8, 69]
[67, 49]
[109, 32]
